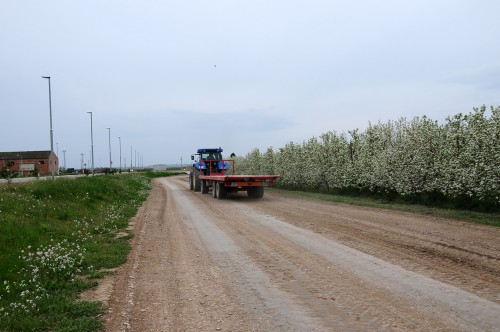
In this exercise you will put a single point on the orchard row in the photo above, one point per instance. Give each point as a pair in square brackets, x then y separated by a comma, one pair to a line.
[458, 160]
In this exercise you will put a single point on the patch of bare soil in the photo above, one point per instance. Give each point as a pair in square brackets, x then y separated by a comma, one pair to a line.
[290, 264]
[102, 292]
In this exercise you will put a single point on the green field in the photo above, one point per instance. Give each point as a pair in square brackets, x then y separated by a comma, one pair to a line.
[56, 237]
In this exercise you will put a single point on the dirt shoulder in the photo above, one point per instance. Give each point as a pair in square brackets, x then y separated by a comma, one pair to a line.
[289, 264]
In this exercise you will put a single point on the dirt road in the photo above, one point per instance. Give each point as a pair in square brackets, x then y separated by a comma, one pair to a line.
[289, 264]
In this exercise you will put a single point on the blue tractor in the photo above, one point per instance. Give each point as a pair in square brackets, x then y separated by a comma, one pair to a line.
[208, 162]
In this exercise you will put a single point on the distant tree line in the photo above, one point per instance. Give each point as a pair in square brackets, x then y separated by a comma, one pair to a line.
[458, 161]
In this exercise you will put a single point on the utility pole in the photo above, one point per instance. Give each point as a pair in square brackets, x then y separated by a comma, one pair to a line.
[120, 143]
[51, 161]
[64, 154]
[109, 143]
[91, 142]
[57, 144]
[20, 165]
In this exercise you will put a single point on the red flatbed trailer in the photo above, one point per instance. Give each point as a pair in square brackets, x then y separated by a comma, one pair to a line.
[222, 183]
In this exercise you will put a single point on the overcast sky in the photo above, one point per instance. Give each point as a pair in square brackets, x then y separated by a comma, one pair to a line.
[171, 76]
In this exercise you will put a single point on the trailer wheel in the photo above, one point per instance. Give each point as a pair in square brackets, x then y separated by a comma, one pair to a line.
[214, 190]
[204, 187]
[221, 191]
[191, 185]
[255, 192]
[196, 179]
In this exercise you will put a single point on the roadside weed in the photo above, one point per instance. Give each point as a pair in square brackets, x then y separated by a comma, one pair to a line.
[56, 236]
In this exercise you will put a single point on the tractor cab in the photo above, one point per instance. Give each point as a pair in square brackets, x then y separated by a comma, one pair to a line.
[208, 154]
[210, 161]
[215, 155]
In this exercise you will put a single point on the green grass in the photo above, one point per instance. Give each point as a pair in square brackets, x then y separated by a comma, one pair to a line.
[55, 237]
[492, 219]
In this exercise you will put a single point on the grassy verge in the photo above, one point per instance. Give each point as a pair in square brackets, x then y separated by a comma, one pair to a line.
[492, 219]
[55, 237]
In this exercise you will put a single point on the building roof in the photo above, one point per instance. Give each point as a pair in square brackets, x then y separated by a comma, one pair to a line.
[25, 155]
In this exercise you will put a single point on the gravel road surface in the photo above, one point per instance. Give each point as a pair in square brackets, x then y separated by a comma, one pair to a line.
[290, 264]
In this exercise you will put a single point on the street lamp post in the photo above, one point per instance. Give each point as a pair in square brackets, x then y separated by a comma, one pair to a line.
[51, 162]
[109, 144]
[120, 143]
[64, 154]
[21, 165]
[91, 142]
[57, 154]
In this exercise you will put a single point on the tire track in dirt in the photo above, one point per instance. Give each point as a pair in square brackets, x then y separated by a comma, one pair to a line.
[170, 282]
[268, 307]
[327, 291]
[463, 254]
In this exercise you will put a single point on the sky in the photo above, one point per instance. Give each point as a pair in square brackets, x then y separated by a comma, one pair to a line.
[168, 77]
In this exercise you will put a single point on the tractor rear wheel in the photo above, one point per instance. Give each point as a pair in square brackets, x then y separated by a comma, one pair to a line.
[191, 185]
[221, 190]
[204, 187]
[196, 180]
[214, 191]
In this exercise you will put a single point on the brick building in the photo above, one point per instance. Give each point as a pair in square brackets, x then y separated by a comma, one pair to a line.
[24, 162]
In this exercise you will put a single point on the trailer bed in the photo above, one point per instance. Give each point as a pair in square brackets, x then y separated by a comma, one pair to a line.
[215, 175]
[240, 178]
[222, 184]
